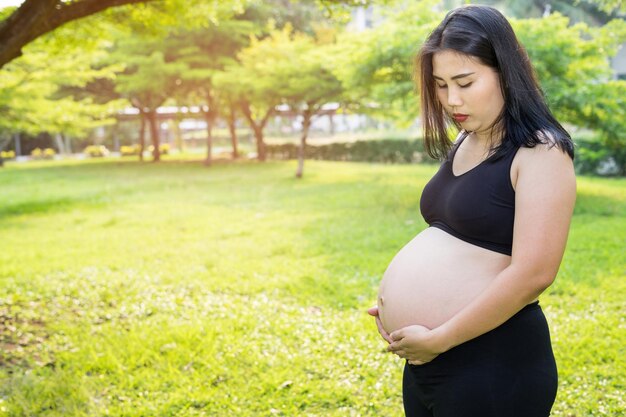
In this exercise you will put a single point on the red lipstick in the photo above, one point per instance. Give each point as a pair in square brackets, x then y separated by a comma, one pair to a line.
[460, 117]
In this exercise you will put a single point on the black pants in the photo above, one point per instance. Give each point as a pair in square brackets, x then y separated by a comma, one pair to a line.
[507, 372]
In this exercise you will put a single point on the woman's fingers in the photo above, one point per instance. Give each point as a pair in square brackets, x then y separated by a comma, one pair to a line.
[397, 335]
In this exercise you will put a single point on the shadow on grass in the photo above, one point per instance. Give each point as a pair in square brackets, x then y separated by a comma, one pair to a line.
[599, 205]
[39, 206]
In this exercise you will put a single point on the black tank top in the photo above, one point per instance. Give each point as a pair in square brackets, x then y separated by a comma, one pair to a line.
[477, 206]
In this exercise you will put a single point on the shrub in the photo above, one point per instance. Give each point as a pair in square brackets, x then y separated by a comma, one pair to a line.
[7, 154]
[96, 151]
[47, 153]
[396, 151]
[129, 150]
[164, 148]
[592, 157]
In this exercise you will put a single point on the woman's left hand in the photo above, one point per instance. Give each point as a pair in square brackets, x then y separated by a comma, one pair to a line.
[416, 344]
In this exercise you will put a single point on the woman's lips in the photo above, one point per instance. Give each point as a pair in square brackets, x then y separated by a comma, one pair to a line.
[460, 117]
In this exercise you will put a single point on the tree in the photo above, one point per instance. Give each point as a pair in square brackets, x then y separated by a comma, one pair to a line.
[305, 66]
[376, 66]
[610, 6]
[148, 80]
[254, 85]
[34, 89]
[206, 52]
[37, 17]
[572, 63]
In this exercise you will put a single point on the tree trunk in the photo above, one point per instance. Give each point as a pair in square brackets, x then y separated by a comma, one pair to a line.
[208, 117]
[18, 144]
[142, 135]
[154, 134]
[257, 128]
[2, 145]
[232, 128]
[178, 137]
[59, 142]
[116, 139]
[68, 144]
[260, 145]
[306, 124]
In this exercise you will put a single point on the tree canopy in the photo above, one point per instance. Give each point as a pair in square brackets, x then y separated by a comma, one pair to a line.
[243, 58]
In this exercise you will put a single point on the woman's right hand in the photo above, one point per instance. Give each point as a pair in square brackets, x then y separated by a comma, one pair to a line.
[373, 311]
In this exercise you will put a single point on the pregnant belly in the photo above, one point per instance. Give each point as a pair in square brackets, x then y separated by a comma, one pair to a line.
[433, 277]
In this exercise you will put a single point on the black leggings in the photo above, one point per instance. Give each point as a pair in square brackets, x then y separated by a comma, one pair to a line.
[507, 372]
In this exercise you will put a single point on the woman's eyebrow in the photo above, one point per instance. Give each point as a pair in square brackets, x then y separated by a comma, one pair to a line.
[456, 77]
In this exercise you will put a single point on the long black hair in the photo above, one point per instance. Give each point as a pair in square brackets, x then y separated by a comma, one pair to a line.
[484, 33]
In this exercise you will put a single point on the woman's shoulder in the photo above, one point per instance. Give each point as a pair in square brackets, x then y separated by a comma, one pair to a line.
[546, 159]
[548, 144]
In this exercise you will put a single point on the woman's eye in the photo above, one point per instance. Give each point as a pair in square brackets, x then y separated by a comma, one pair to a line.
[465, 85]
[441, 86]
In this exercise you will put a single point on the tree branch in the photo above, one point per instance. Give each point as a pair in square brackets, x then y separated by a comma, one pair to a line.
[38, 17]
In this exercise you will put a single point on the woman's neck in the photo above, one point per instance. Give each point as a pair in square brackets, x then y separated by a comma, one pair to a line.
[487, 139]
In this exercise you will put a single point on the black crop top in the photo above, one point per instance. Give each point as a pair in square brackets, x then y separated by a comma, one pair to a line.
[477, 206]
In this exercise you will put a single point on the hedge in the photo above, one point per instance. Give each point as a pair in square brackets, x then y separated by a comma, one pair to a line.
[591, 157]
[386, 151]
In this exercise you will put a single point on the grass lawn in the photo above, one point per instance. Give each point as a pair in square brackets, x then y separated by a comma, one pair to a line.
[173, 289]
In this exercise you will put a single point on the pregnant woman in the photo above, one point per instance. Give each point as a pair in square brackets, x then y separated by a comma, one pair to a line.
[459, 301]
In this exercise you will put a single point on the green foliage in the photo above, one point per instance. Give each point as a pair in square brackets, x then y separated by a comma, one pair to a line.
[610, 5]
[148, 79]
[33, 88]
[251, 276]
[205, 52]
[302, 15]
[592, 156]
[30, 86]
[376, 66]
[255, 77]
[384, 151]
[244, 53]
[303, 70]
[572, 63]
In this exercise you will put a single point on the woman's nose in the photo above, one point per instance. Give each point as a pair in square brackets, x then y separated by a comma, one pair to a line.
[454, 99]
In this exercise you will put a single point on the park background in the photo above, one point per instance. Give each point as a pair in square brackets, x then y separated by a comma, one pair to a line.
[160, 257]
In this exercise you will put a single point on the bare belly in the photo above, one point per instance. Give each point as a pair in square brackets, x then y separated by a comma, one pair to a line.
[433, 277]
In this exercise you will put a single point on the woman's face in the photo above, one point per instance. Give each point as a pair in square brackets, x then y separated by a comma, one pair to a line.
[468, 90]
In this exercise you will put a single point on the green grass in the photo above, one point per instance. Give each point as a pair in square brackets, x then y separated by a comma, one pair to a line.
[173, 289]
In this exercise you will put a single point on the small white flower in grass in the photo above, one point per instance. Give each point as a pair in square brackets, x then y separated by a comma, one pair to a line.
[285, 384]
[167, 347]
